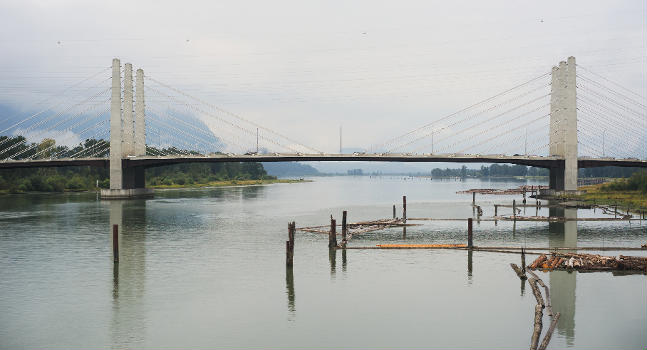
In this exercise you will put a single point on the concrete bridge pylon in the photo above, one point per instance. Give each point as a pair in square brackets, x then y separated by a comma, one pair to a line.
[563, 126]
[127, 135]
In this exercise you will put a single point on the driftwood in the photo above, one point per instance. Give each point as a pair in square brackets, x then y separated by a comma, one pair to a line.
[518, 271]
[536, 292]
[549, 332]
[590, 262]
[534, 280]
[519, 190]
[549, 308]
[536, 333]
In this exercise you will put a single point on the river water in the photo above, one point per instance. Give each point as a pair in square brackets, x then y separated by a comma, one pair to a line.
[206, 268]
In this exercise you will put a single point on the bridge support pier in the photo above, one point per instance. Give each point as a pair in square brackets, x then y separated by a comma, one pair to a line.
[126, 136]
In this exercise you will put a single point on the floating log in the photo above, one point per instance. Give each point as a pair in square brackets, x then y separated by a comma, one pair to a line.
[421, 245]
[537, 292]
[549, 307]
[537, 261]
[549, 332]
[534, 340]
[493, 191]
[590, 262]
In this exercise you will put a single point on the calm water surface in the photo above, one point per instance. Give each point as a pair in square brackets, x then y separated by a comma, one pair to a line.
[206, 268]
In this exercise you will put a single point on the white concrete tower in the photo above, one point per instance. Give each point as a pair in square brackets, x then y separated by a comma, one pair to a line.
[140, 123]
[570, 127]
[128, 135]
[563, 126]
[115, 128]
[555, 112]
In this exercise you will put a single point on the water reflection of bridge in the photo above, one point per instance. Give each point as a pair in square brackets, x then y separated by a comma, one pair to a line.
[128, 326]
[562, 283]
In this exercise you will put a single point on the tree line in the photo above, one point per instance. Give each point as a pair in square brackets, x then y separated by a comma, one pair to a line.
[505, 170]
[80, 178]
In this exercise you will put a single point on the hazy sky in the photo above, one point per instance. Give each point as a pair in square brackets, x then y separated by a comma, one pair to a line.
[303, 68]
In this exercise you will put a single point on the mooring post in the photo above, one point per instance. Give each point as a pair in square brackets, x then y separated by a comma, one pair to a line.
[524, 196]
[473, 198]
[332, 234]
[404, 209]
[523, 260]
[115, 243]
[394, 211]
[289, 244]
[496, 209]
[514, 209]
[343, 229]
[469, 233]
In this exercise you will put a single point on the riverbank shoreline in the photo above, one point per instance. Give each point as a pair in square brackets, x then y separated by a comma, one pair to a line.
[224, 183]
[231, 183]
[635, 201]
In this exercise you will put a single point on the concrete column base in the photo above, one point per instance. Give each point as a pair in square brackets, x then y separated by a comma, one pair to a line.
[128, 193]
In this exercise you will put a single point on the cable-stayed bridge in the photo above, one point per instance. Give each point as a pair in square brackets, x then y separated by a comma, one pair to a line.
[565, 119]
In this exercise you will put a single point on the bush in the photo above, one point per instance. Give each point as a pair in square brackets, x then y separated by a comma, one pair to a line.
[105, 183]
[75, 183]
[637, 182]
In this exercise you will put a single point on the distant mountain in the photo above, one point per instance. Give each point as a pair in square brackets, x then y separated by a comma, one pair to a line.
[287, 169]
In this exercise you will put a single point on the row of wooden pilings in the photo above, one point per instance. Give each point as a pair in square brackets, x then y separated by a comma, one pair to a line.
[332, 233]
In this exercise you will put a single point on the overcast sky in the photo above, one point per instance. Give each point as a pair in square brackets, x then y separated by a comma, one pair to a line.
[379, 68]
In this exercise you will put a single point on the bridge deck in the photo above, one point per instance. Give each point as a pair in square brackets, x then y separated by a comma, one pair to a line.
[154, 161]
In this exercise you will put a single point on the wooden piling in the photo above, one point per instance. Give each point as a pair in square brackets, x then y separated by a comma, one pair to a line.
[404, 209]
[514, 209]
[496, 209]
[469, 233]
[343, 228]
[332, 234]
[289, 244]
[115, 243]
[524, 197]
[394, 211]
[473, 198]
[523, 260]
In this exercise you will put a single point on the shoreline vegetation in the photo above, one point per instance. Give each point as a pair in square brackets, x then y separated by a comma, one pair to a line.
[627, 193]
[81, 179]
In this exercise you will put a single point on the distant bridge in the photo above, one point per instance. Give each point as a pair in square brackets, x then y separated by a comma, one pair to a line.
[575, 131]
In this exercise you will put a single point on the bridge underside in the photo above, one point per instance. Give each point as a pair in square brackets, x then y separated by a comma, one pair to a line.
[133, 168]
[149, 162]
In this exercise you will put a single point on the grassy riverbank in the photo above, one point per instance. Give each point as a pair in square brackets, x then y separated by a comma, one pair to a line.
[626, 193]
[223, 183]
[596, 194]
